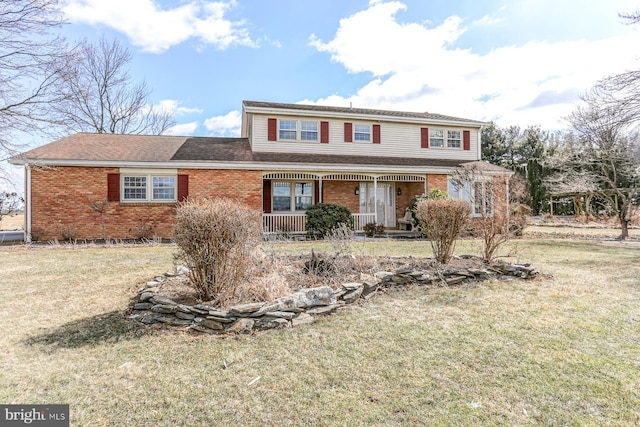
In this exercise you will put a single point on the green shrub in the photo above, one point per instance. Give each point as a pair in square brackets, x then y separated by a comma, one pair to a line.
[372, 229]
[323, 218]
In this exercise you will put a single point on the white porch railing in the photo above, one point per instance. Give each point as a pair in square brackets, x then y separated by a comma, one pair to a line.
[295, 223]
[362, 219]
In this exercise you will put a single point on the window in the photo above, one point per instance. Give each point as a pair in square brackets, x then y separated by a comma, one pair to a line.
[479, 195]
[164, 188]
[136, 188]
[308, 131]
[436, 138]
[288, 129]
[291, 196]
[362, 133]
[453, 139]
[440, 138]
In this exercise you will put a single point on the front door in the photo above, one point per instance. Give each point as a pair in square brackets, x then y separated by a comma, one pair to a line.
[379, 199]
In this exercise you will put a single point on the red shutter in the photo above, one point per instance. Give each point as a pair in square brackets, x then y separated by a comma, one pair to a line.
[424, 137]
[324, 132]
[348, 132]
[266, 196]
[316, 191]
[376, 134]
[272, 131]
[183, 187]
[113, 187]
[466, 138]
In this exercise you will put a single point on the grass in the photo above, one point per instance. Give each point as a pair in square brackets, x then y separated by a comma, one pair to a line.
[560, 350]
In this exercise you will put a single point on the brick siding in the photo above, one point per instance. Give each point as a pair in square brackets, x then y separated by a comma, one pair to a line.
[61, 201]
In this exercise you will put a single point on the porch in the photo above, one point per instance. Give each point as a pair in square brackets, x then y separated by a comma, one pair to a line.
[372, 198]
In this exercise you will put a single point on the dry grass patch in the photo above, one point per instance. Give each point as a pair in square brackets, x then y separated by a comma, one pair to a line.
[12, 222]
[549, 352]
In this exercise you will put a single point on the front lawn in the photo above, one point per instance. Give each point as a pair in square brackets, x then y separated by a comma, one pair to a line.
[554, 351]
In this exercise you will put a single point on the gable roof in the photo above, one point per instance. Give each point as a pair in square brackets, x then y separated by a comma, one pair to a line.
[282, 108]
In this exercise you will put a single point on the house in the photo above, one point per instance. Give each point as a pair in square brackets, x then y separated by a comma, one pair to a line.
[288, 157]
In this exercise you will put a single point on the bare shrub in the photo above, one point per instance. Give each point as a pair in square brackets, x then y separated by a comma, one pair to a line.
[215, 240]
[442, 220]
[341, 239]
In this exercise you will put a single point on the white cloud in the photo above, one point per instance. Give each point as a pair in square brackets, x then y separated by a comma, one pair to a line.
[156, 30]
[172, 106]
[182, 129]
[416, 69]
[227, 125]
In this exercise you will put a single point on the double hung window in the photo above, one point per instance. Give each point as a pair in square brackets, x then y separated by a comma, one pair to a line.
[292, 196]
[148, 188]
[362, 133]
[297, 130]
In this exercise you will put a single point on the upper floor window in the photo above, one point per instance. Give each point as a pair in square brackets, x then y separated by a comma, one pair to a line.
[362, 133]
[308, 131]
[436, 138]
[298, 130]
[148, 188]
[453, 139]
[288, 129]
[440, 138]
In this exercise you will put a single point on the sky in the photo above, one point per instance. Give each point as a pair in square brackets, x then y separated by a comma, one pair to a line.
[515, 62]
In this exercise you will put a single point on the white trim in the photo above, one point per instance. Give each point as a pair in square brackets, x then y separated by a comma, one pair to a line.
[253, 166]
[148, 171]
[27, 211]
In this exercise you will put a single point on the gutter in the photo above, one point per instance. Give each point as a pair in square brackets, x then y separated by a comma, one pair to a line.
[324, 167]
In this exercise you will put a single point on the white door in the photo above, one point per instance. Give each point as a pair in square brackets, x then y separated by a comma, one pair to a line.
[379, 199]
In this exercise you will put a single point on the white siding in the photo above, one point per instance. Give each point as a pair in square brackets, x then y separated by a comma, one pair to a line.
[397, 140]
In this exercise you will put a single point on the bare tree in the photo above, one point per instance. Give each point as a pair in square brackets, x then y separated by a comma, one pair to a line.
[102, 97]
[491, 199]
[601, 156]
[33, 64]
[631, 17]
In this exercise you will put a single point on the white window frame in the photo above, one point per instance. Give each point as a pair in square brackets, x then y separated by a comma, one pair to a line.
[433, 137]
[293, 196]
[472, 195]
[445, 139]
[454, 142]
[149, 188]
[299, 130]
[357, 132]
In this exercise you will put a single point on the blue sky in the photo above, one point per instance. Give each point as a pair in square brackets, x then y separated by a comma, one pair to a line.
[521, 62]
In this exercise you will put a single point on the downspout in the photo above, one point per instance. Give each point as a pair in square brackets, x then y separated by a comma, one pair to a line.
[27, 203]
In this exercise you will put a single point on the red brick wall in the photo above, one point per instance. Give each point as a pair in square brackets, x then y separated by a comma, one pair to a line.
[341, 193]
[61, 198]
[437, 182]
[409, 189]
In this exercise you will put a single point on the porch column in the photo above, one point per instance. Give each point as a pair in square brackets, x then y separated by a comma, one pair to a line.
[426, 178]
[375, 198]
[320, 190]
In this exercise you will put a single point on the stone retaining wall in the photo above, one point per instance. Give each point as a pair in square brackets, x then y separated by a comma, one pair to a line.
[303, 306]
